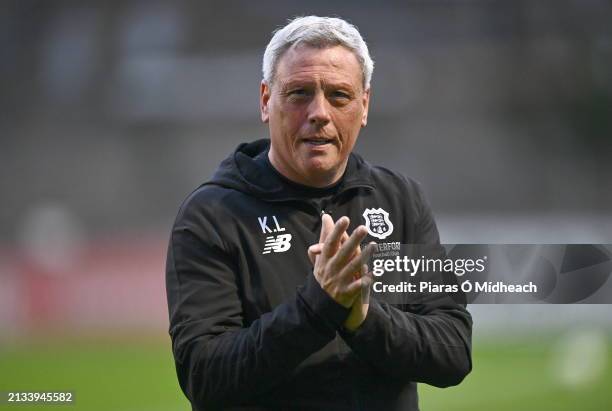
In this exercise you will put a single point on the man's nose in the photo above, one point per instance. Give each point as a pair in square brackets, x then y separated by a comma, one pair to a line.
[318, 113]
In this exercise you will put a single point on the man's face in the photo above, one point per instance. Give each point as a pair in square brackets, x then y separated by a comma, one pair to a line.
[315, 108]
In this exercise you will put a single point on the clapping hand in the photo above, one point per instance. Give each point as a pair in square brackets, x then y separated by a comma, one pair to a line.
[339, 267]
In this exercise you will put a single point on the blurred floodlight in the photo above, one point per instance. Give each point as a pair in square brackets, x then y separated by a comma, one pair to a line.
[580, 358]
[167, 87]
[152, 25]
[69, 53]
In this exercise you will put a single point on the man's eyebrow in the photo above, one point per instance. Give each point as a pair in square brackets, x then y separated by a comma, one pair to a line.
[339, 84]
[296, 83]
[307, 83]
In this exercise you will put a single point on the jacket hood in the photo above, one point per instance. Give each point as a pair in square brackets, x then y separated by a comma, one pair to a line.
[248, 170]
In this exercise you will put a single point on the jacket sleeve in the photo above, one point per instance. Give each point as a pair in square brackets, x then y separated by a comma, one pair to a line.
[220, 360]
[428, 342]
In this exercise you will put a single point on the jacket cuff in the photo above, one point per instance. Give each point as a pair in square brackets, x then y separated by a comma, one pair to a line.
[321, 304]
[367, 329]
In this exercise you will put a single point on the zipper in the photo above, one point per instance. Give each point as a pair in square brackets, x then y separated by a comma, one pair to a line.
[295, 198]
[320, 209]
[328, 209]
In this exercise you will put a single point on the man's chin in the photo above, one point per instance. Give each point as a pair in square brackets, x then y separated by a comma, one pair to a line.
[319, 166]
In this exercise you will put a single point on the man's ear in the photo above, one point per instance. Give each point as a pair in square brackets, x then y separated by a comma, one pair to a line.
[264, 98]
[366, 105]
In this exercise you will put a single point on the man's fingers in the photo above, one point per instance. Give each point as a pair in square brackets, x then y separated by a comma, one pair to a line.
[356, 264]
[362, 284]
[367, 252]
[367, 279]
[316, 249]
[352, 268]
[313, 251]
[344, 237]
[332, 242]
[358, 285]
[327, 225]
[348, 249]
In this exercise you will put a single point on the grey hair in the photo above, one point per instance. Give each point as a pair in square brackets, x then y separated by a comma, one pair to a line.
[317, 32]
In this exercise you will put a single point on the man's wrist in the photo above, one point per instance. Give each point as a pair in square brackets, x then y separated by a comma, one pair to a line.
[321, 304]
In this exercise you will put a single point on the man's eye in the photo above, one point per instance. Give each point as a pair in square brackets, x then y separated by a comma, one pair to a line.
[297, 92]
[340, 95]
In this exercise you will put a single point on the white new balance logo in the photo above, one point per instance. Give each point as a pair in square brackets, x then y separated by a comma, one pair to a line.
[278, 244]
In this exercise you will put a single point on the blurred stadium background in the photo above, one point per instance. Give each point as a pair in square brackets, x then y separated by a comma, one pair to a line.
[111, 112]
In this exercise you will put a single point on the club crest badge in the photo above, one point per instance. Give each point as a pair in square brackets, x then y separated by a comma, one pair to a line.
[377, 222]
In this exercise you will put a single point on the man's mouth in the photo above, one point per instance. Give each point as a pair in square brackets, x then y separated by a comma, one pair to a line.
[318, 141]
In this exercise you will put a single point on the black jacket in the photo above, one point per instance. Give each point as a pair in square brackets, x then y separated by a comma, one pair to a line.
[252, 329]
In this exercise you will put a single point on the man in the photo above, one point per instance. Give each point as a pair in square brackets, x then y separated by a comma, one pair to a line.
[264, 288]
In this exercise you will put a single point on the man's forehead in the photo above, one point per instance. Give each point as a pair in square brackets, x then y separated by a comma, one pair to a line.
[337, 62]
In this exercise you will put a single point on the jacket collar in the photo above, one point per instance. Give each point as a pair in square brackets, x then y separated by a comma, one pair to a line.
[248, 170]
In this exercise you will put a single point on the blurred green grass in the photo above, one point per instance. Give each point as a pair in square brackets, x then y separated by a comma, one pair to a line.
[134, 374]
[129, 374]
[521, 375]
